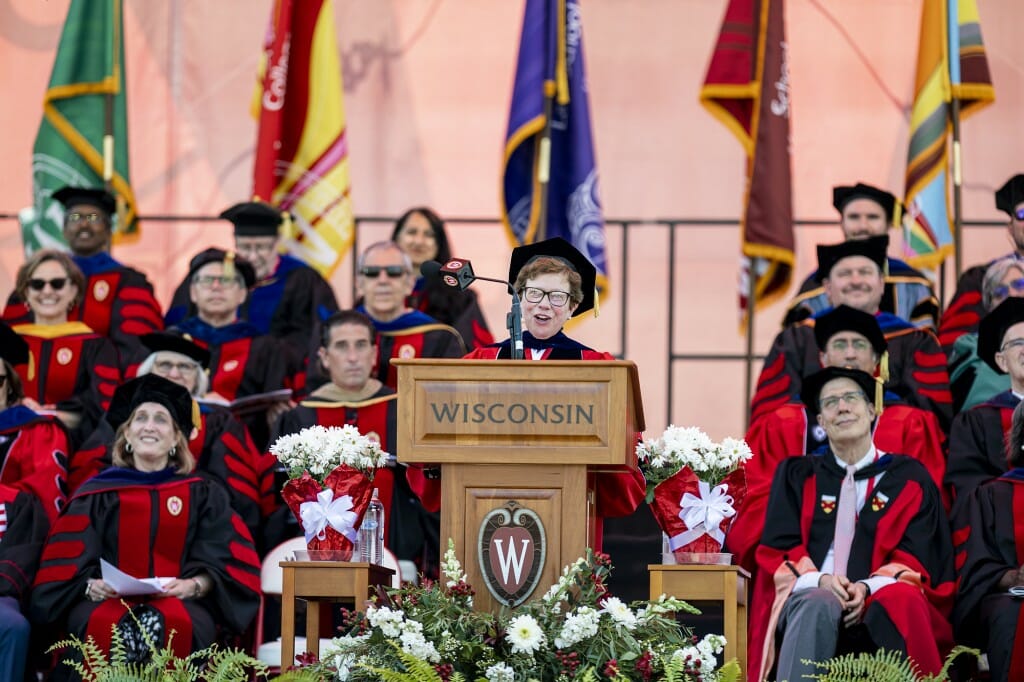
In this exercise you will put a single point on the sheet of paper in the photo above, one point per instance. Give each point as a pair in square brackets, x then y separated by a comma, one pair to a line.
[128, 586]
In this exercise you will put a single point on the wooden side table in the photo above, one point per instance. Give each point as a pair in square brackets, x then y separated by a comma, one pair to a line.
[322, 581]
[699, 582]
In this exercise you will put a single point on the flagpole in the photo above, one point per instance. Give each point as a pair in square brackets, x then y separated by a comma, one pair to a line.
[957, 189]
[544, 163]
[749, 362]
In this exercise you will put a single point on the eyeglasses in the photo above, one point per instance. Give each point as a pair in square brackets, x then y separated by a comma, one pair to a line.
[91, 218]
[1003, 290]
[1019, 214]
[844, 344]
[57, 283]
[166, 367]
[373, 271]
[852, 398]
[210, 280]
[1012, 343]
[535, 295]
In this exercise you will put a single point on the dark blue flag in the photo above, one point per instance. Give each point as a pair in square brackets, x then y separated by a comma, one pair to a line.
[550, 78]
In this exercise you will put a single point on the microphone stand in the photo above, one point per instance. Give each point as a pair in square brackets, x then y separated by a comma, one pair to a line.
[513, 320]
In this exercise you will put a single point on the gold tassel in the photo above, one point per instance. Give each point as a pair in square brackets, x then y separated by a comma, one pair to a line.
[897, 213]
[197, 419]
[883, 367]
[597, 303]
[229, 264]
[879, 397]
[287, 228]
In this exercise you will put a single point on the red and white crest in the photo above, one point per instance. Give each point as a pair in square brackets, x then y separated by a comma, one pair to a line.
[879, 501]
[100, 290]
[64, 356]
[511, 550]
[174, 505]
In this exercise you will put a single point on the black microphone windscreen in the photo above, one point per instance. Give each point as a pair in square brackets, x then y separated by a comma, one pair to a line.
[430, 268]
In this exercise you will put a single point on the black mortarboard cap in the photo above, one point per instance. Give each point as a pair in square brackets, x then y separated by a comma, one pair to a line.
[556, 247]
[101, 198]
[1010, 194]
[812, 385]
[993, 327]
[844, 194]
[176, 343]
[231, 260]
[150, 388]
[844, 318]
[13, 348]
[872, 247]
[254, 219]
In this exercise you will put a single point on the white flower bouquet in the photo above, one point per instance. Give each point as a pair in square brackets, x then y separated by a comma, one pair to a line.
[330, 471]
[693, 486]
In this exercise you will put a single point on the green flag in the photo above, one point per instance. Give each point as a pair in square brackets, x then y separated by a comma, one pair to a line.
[84, 103]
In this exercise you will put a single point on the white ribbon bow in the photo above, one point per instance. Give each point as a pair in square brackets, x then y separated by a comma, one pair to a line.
[703, 514]
[316, 516]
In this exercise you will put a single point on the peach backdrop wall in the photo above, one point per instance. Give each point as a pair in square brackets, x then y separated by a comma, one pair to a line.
[427, 84]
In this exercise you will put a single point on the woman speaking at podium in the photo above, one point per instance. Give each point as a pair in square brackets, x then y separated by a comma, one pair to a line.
[554, 282]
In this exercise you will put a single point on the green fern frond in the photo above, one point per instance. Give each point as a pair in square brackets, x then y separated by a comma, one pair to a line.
[882, 665]
[953, 655]
[416, 669]
[730, 672]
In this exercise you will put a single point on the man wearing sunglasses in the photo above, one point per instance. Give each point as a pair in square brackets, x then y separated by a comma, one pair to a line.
[966, 308]
[384, 280]
[865, 212]
[288, 297]
[118, 301]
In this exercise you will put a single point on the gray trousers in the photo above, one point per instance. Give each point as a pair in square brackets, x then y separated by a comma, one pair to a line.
[808, 629]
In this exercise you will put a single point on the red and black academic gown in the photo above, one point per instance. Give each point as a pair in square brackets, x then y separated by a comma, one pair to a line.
[149, 524]
[989, 543]
[616, 494]
[118, 303]
[244, 362]
[462, 312]
[790, 431]
[34, 456]
[908, 294]
[901, 530]
[977, 445]
[71, 367]
[286, 305]
[965, 310]
[221, 447]
[917, 368]
[412, 335]
[23, 528]
[411, 532]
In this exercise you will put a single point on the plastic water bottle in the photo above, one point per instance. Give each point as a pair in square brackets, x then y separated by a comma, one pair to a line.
[371, 532]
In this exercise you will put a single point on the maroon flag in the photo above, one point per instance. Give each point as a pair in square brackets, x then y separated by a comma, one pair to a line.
[747, 88]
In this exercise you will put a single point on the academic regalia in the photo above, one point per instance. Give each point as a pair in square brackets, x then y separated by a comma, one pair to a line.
[908, 294]
[900, 531]
[412, 335]
[558, 347]
[971, 380]
[22, 532]
[148, 524]
[244, 362]
[118, 302]
[791, 431]
[34, 456]
[965, 309]
[287, 305]
[917, 368]
[977, 445]
[410, 531]
[990, 542]
[71, 367]
[222, 449]
[462, 312]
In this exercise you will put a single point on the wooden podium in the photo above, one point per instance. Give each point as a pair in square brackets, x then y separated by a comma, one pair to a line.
[520, 445]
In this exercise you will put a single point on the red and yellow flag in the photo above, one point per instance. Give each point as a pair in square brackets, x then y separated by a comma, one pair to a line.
[301, 151]
[747, 88]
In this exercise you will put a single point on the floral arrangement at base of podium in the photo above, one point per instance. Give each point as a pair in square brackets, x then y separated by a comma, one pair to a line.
[575, 631]
[694, 486]
[330, 471]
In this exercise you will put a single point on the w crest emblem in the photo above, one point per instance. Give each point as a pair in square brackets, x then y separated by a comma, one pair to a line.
[511, 550]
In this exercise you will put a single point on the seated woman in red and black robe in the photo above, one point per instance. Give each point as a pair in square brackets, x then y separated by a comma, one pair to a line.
[148, 517]
[71, 371]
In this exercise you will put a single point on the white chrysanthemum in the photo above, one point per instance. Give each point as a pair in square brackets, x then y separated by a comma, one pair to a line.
[736, 450]
[579, 625]
[450, 567]
[415, 643]
[619, 612]
[525, 635]
[500, 672]
[388, 621]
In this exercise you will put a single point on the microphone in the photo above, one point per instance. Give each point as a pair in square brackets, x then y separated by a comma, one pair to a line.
[458, 274]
